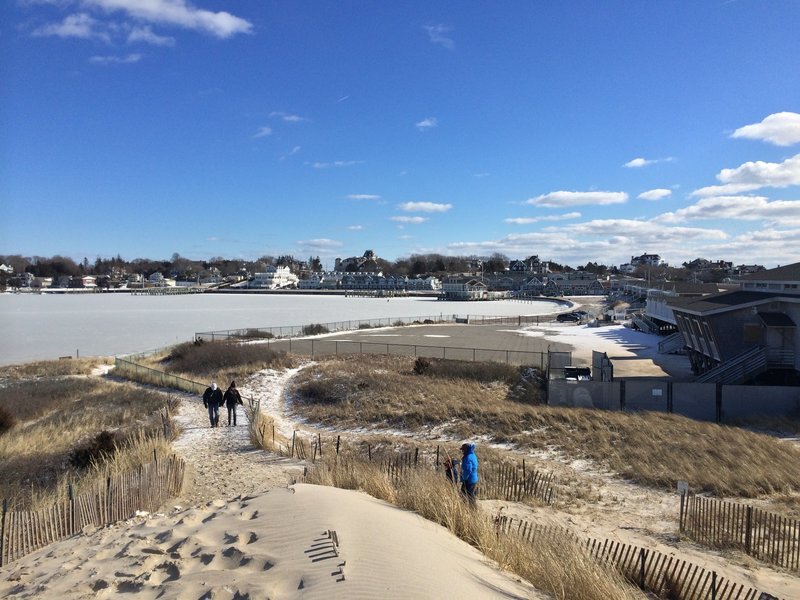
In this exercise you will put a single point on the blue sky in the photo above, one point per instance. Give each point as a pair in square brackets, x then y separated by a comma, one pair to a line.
[577, 131]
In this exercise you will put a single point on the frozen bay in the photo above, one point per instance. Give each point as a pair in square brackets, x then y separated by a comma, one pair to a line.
[47, 326]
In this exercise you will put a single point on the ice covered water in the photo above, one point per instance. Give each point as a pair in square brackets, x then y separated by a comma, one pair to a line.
[47, 326]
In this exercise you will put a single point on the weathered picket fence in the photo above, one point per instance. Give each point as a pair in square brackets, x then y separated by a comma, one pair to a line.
[662, 575]
[114, 499]
[721, 524]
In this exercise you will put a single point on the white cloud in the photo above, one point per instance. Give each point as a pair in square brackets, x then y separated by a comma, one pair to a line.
[263, 132]
[481, 174]
[754, 175]
[424, 207]
[355, 227]
[643, 162]
[145, 34]
[363, 197]
[438, 35]
[530, 220]
[744, 208]
[288, 118]
[178, 13]
[637, 162]
[320, 244]
[80, 25]
[410, 220]
[781, 129]
[656, 194]
[336, 163]
[561, 198]
[428, 123]
[295, 150]
[115, 60]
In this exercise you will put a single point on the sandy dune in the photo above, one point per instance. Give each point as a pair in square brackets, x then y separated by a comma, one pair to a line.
[304, 542]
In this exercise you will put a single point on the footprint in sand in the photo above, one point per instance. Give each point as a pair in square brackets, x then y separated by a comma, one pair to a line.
[231, 538]
[252, 538]
[236, 558]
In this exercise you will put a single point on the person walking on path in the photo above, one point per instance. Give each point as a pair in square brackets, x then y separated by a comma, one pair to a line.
[232, 397]
[212, 400]
[469, 471]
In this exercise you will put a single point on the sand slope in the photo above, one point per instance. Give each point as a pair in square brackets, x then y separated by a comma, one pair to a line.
[275, 545]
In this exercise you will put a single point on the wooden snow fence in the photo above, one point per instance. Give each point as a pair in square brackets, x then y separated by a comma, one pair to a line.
[114, 499]
[766, 536]
[659, 574]
[515, 483]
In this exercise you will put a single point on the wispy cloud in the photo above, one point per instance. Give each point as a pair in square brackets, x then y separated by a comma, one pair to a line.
[355, 227]
[429, 207]
[263, 132]
[754, 175]
[427, 123]
[637, 163]
[744, 208]
[562, 198]
[287, 117]
[176, 13]
[481, 174]
[115, 60]
[654, 195]
[320, 244]
[781, 129]
[530, 220]
[437, 34]
[363, 197]
[336, 163]
[80, 25]
[409, 220]
[147, 35]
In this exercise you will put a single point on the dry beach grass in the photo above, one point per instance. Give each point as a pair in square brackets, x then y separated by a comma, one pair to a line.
[557, 566]
[653, 449]
[71, 429]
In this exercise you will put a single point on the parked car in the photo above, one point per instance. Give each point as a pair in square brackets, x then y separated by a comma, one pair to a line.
[568, 318]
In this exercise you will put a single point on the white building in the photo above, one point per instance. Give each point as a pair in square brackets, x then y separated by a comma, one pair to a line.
[273, 278]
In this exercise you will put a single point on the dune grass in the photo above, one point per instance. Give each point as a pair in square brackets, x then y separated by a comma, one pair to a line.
[654, 449]
[68, 429]
[222, 361]
[557, 566]
[53, 368]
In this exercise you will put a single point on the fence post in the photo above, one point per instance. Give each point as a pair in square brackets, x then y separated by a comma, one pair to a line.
[713, 585]
[748, 532]
[337, 445]
[71, 509]
[319, 444]
[437, 455]
[681, 516]
[294, 436]
[369, 452]
[642, 558]
[3, 529]
[416, 456]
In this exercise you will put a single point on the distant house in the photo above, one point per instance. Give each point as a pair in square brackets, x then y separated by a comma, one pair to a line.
[6, 269]
[457, 288]
[754, 327]
[273, 278]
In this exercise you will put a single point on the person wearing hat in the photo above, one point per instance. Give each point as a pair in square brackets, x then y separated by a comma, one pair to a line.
[232, 398]
[212, 400]
[469, 471]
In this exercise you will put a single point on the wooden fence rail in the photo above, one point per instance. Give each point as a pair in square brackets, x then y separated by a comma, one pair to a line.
[761, 534]
[663, 575]
[113, 499]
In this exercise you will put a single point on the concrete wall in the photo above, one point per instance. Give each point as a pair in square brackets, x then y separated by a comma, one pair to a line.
[584, 394]
[646, 394]
[740, 401]
[695, 400]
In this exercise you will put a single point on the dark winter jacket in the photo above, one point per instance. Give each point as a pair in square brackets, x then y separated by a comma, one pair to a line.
[212, 397]
[469, 466]
[232, 397]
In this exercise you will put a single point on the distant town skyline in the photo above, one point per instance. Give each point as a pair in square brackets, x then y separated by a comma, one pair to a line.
[575, 131]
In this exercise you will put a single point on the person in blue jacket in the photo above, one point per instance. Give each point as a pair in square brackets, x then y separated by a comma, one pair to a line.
[469, 471]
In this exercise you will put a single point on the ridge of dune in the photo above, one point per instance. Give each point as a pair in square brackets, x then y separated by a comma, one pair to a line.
[301, 542]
